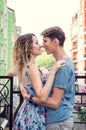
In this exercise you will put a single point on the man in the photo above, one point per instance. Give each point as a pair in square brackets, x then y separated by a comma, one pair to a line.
[60, 103]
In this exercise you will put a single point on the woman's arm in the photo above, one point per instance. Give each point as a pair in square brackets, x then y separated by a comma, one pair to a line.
[42, 92]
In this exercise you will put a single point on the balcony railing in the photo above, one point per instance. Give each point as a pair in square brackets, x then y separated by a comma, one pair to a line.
[6, 102]
[7, 93]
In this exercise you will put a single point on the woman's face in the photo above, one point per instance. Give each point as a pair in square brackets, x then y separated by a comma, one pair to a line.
[36, 48]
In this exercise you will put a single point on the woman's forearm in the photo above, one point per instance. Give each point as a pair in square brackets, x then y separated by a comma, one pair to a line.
[44, 93]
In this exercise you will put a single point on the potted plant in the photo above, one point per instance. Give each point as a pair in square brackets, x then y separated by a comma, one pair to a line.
[82, 114]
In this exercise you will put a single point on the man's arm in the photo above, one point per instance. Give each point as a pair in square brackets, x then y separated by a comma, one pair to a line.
[52, 102]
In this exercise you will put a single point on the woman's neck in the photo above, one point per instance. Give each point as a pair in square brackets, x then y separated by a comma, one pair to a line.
[32, 60]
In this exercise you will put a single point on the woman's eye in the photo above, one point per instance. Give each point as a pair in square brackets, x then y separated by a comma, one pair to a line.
[36, 42]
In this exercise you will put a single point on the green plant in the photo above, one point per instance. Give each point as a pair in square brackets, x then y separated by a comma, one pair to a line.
[82, 114]
[45, 60]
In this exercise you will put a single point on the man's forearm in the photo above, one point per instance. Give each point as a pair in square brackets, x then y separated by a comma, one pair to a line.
[37, 101]
[50, 102]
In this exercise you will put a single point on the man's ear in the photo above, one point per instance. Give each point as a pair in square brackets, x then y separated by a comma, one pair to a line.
[56, 42]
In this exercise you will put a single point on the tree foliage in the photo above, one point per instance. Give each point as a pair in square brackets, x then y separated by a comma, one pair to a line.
[45, 60]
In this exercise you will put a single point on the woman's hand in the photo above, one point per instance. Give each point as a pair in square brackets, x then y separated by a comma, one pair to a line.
[58, 65]
[24, 92]
[10, 73]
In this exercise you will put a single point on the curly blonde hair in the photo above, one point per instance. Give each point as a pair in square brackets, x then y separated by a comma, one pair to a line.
[22, 50]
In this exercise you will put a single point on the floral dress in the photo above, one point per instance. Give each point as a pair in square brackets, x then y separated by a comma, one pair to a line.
[30, 115]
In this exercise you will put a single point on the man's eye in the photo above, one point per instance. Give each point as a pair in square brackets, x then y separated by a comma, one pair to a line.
[44, 41]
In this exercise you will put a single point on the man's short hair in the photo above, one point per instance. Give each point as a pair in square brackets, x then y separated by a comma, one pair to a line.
[54, 32]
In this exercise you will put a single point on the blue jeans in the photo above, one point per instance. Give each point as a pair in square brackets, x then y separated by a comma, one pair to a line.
[65, 125]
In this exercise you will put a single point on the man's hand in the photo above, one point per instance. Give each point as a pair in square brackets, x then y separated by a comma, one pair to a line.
[24, 92]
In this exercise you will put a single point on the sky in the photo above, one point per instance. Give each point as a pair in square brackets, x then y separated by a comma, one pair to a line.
[36, 15]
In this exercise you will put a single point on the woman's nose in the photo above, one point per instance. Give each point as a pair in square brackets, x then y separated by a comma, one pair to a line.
[42, 45]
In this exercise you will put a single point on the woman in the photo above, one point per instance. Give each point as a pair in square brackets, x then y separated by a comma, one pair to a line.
[31, 116]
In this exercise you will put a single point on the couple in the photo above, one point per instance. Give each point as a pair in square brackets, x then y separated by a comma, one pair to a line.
[46, 106]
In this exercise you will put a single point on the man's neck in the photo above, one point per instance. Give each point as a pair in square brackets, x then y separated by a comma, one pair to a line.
[59, 54]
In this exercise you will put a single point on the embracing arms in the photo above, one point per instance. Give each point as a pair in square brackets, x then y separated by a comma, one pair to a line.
[42, 93]
[52, 102]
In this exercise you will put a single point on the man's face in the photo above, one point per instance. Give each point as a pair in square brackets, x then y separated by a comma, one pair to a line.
[48, 44]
